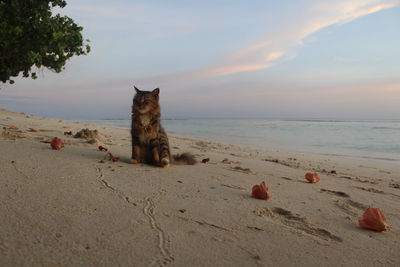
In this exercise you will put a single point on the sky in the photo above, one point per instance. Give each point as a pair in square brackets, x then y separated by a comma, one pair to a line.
[304, 59]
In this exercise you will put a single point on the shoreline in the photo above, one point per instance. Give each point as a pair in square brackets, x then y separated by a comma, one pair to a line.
[348, 153]
[74, 207]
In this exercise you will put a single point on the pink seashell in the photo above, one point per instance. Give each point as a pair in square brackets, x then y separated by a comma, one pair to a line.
[373, 219]
[312, 177]
[260, 191]
[56, 143]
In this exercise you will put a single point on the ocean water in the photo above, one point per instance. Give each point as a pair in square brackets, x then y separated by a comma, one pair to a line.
[379, 140]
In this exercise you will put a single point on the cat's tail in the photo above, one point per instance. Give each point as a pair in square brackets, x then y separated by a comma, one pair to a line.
[184, 159]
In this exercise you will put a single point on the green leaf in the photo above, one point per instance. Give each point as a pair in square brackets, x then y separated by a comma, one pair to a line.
[32, 36]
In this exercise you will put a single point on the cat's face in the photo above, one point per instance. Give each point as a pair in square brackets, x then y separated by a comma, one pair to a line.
[145, 101]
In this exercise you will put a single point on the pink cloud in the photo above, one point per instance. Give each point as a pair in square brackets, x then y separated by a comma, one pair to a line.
[290, 33]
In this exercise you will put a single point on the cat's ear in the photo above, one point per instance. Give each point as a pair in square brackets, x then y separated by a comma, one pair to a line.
[137, 90]
[156, 91]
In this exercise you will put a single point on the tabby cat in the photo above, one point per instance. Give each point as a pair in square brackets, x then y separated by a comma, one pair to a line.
[149, 140]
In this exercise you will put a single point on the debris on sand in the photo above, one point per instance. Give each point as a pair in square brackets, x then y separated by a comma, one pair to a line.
[102, 148]
[226, 161]
[87, 134]
[205, 160]
[111, 157]
[260, 191]
[56, 143]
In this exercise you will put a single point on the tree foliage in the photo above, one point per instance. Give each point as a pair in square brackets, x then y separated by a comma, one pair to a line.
[30, 35]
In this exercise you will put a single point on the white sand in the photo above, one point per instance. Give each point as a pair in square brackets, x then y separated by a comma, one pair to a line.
[65, 208]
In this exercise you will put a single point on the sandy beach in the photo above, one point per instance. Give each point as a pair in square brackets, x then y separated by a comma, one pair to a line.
[74, 207]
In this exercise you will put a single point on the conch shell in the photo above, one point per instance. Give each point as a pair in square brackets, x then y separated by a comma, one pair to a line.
[373, 219]
[260, 191]
[56, 143]
[312, 177]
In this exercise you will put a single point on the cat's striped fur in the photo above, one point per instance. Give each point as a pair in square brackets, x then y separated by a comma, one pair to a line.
[149, 140]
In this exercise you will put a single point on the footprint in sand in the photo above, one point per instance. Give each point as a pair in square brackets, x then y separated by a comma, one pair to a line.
[373, 190]
[284, 163]
[336, 193]
[347, 205]
[287, 178]
[350, 207]
[234, 186]
[240, 169]
[358, 179]
[298, 223]
[394, 185]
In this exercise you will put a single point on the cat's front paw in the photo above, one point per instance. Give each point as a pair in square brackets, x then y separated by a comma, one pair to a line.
[164, 163]
[134, 161]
